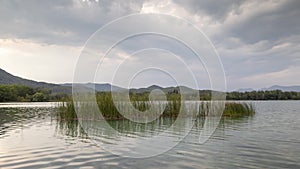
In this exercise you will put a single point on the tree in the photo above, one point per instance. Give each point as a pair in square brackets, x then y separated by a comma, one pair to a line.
[39, 97]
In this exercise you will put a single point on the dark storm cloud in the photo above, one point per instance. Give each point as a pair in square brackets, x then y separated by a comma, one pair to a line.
[262, 24]
[280, 22]
[215, 9]
[59, 22]
[72, 21]
[253, 37]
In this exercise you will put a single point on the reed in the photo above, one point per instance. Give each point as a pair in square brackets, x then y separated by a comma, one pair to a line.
[172, 107]
[235, 109]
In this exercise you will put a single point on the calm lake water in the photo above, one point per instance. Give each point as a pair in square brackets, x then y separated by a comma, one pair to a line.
[32, 136]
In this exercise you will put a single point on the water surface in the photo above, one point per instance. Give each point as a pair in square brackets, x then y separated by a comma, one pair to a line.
[33, 136]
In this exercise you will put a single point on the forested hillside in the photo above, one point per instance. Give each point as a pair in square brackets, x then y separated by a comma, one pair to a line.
[7, 78]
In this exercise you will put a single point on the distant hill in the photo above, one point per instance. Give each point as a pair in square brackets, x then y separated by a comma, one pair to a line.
[275, 87]
[108, 87]
[148, 89]
[98, 87]
[166, 89]
[284, 88]
[7, 78]
[245, 90]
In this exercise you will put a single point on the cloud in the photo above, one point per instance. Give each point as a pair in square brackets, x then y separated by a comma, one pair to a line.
[218, 10]
[248, 20]
[59, 22]
[285, 76]
[267, 20]
[261, 59]
[255, 39]
[50, 63]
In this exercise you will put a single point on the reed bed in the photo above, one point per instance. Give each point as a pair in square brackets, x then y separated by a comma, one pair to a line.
[170, 108]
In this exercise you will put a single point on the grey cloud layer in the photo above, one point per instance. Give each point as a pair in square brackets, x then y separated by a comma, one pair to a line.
[269, 19]
[59, 22]
[215, 9]
[69, 21]
[253, 37]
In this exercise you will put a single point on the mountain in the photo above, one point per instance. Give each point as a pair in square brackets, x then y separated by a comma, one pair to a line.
[98, 87]
[284, 88]
[148, 89]
[245, 90]
[166, 89]
[7, 78]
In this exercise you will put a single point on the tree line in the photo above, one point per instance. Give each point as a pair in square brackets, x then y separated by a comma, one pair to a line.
[21, 93]
[253, 95]
[263, 95]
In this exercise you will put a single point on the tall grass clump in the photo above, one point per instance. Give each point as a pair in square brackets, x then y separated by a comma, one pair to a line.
[234, 109]
[67, 120]
[172, 107]
[107, 107]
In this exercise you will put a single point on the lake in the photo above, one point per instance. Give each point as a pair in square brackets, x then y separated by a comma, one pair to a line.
[32, 135]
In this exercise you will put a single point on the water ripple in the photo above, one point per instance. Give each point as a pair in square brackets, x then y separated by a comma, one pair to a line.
[33, 137]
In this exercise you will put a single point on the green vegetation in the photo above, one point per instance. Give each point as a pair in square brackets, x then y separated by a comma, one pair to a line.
[263, 95]
[69, 124]
[110, 111]
[20, 93]
[171, 108]
[253, 95]
[67, 121]
[233, 109]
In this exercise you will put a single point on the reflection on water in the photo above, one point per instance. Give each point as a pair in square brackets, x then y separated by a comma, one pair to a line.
[71, 126]
[16, 117]
[36, 137]
[128, 138]
[27, 105]
[67, 124]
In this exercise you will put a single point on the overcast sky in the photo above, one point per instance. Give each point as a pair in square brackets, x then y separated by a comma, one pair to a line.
[258, 41]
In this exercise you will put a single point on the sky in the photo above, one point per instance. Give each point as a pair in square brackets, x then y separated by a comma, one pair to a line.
[258, 42]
